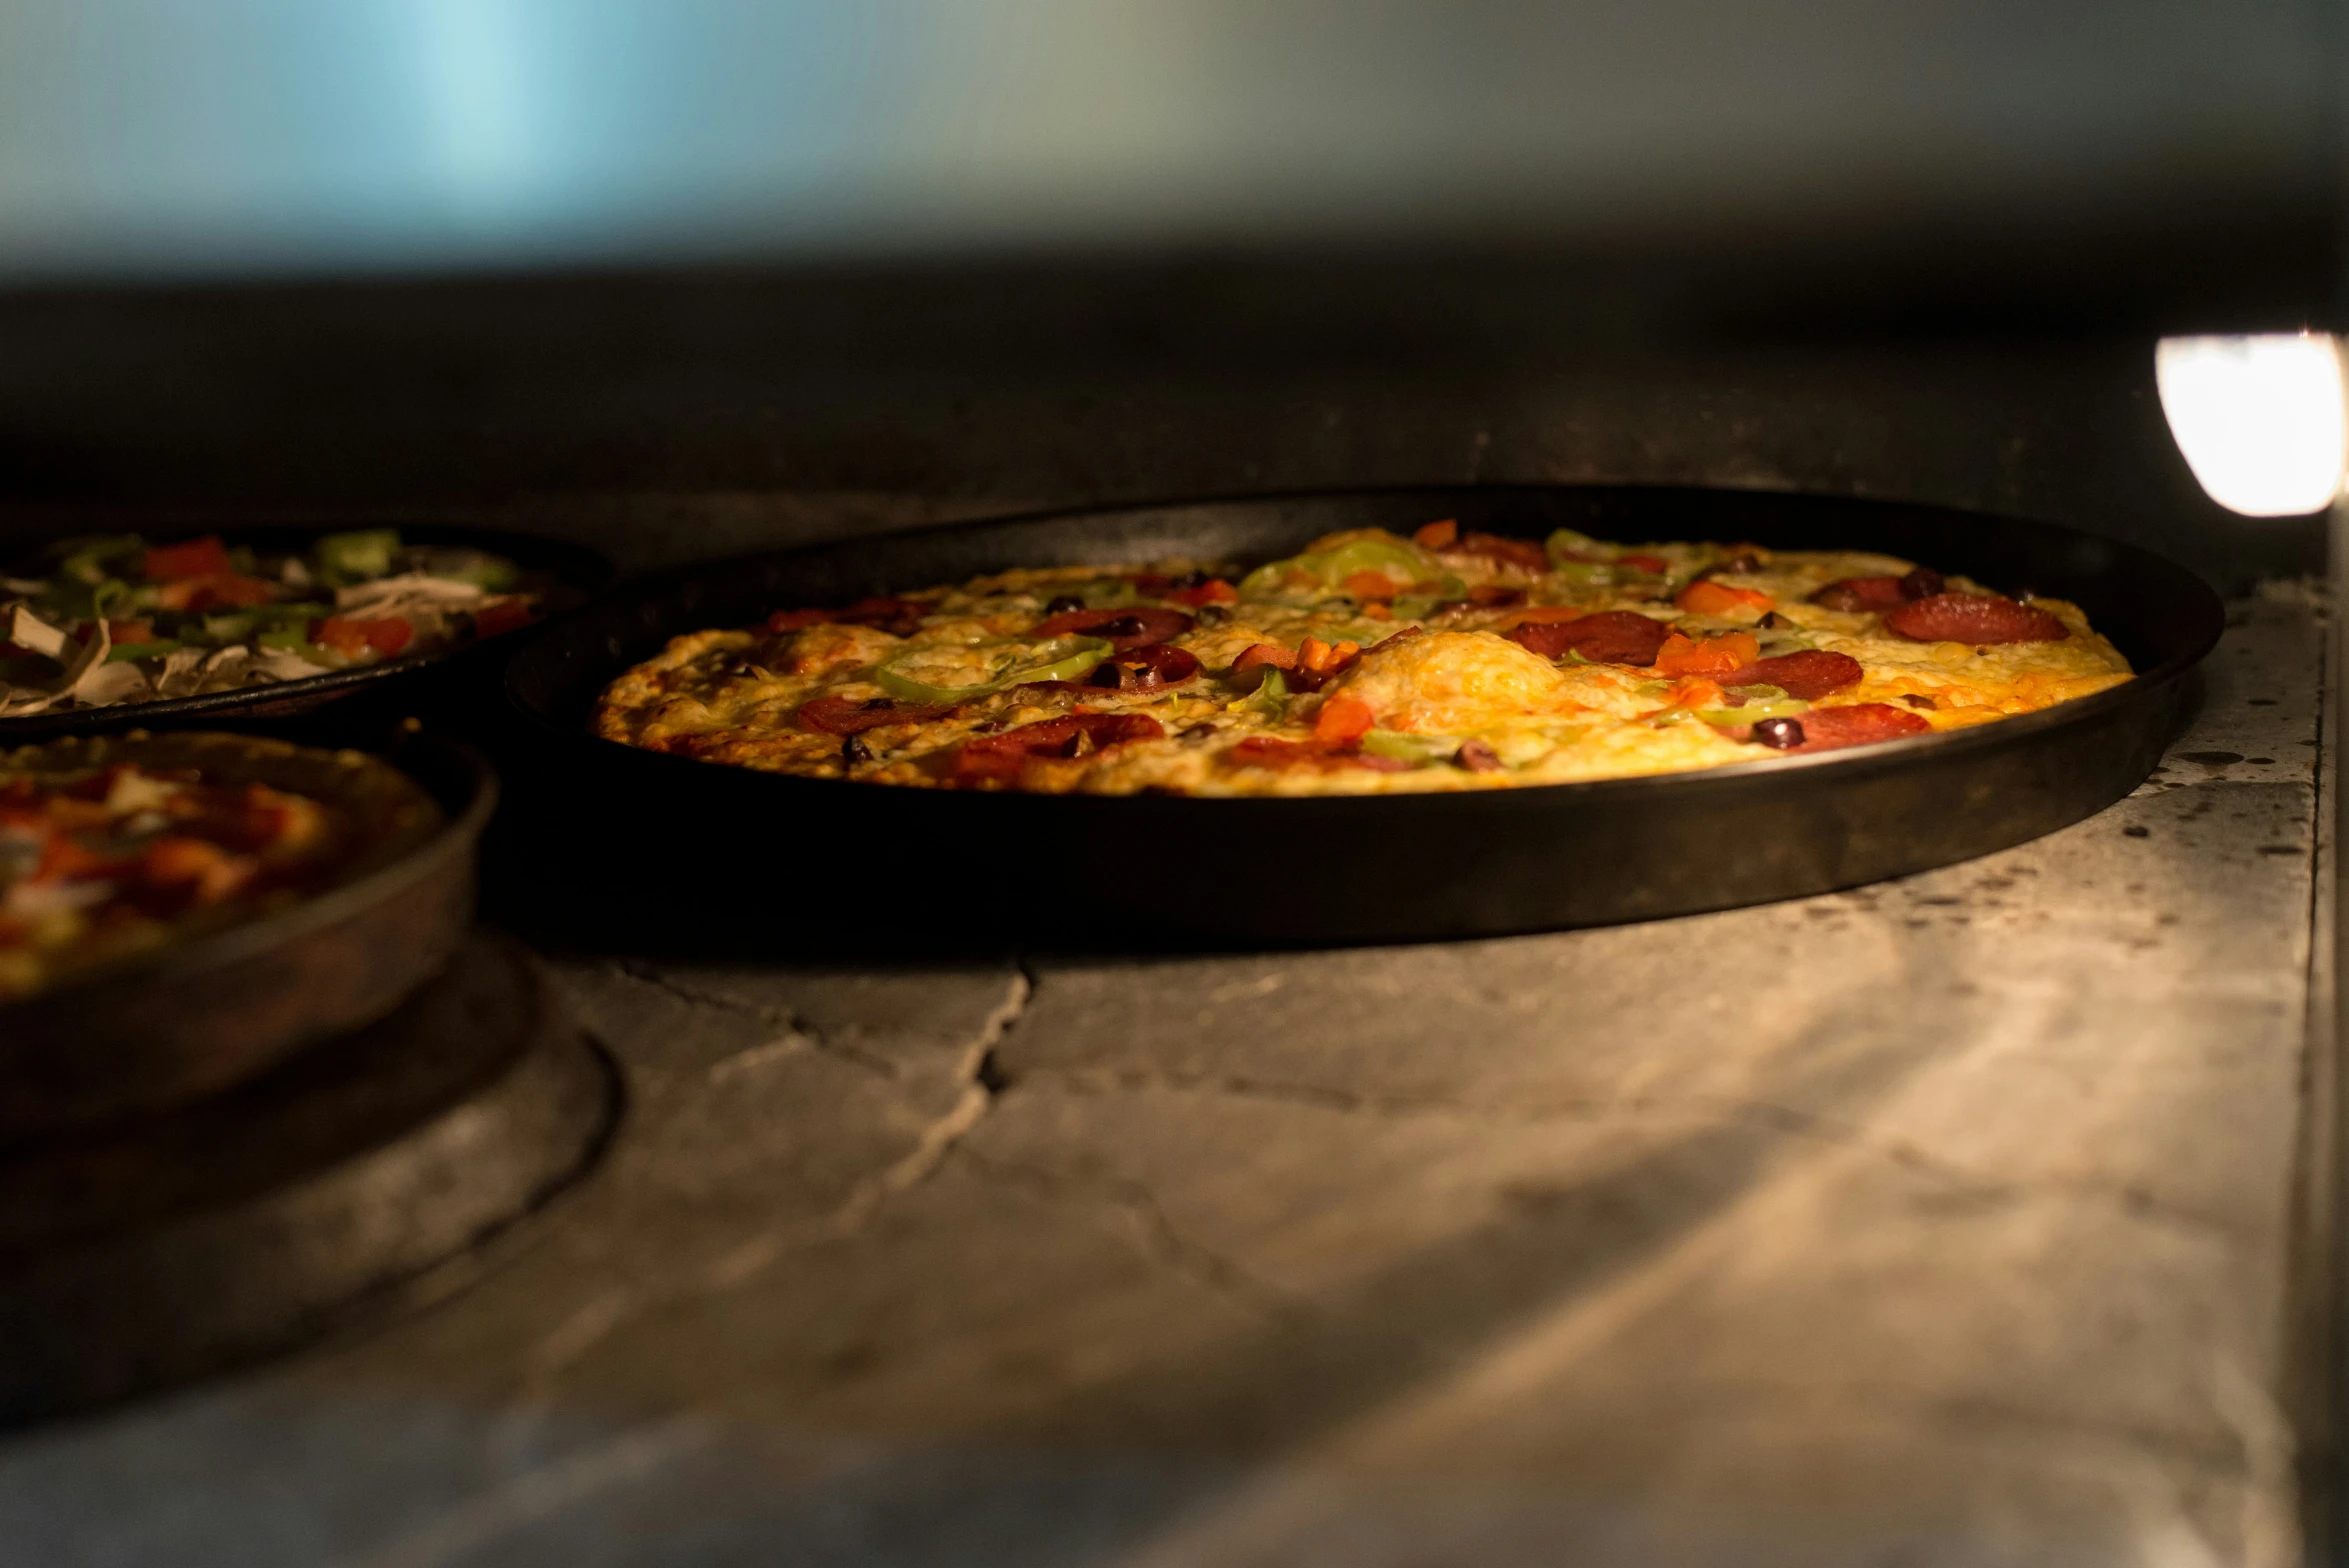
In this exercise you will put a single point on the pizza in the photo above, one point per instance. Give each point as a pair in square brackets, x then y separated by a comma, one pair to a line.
[113, 848]
[1368, 663]
[100, 621]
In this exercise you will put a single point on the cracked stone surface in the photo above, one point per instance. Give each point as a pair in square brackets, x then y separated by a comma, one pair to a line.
[1944, 1221]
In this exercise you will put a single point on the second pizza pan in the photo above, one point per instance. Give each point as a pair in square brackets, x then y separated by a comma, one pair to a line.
[730, 849]
[570, 575]
[218, 1009]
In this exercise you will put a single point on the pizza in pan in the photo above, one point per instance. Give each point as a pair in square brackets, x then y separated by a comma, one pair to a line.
[1369, 663]
[115, 847]
[101, 621]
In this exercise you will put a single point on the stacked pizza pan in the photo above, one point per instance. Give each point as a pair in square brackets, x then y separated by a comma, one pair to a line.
[257, 1066]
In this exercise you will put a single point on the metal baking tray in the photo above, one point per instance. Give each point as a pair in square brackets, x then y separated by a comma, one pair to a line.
[734, 849]
[578, 573]
[197, 1016]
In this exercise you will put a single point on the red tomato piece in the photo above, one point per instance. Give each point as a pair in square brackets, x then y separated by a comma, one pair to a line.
[1706, 597]
[222, 590]
[501, 616]
[205, 557]
[1436, 536]
[1344, 718]
[1711, 656]
[1213, 591]
[356, 634]
[342, 633]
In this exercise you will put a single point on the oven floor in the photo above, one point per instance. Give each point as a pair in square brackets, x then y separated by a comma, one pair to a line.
[1953, 1220]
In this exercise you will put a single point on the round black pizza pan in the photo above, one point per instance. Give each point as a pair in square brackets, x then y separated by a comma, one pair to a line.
[657, 844]
[577, 572]
[127, 1041]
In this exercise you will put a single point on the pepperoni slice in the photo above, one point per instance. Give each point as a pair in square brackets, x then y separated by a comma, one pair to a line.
[1610, 637]
[898, 617]
[1135, 627]
[1861, 593]
[1975, 618]
[1147, 668]
[1860, 724]
[1810, 675]
[999, 758]
[1523, 553]
[839, 716]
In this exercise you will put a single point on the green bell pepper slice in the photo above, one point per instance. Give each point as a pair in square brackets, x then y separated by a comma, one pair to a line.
[1331, 568]
[124, 652]
[1061, 659]
[1779, 706]
[485, 572]
[285, 639]
[1410, 748]
[1271, 698]
[356, 557]
[95, 557]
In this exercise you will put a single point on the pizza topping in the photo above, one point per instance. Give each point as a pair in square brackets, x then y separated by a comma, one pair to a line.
[1682, 655]
[1778, 734]
[1311, 665]
[1974, 617]
[1860, 724]
[1136, 627]
[1608, 637]
[998, 759]
[1810, 675]
[1524, 554]
[839, 716]
[1706, 597]
[1861, 594]
[1213, 591]
[1343, 718]
[908, 674]
[1147, 668]
[1339, 564]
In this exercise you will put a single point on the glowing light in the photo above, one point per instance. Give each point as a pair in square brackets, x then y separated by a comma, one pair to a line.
[2262, 420]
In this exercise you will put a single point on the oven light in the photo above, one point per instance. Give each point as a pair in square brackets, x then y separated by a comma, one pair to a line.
[2262, 420]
